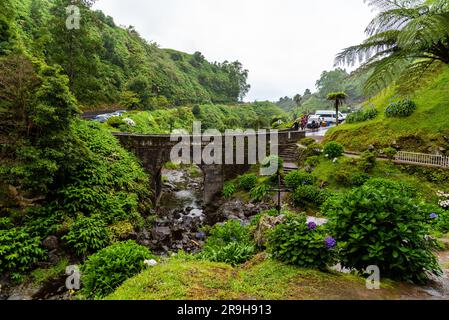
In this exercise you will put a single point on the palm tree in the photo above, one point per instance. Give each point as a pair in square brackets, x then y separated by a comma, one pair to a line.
[338, 98]
[407, 41]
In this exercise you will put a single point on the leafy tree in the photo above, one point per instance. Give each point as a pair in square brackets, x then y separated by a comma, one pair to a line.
[75, 50]
[407, 41]
[331, 81]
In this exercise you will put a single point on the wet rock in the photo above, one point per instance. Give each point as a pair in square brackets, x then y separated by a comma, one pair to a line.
[266, 223]
[150, 263]
[161, 233]
[54, 257]
[51, 243]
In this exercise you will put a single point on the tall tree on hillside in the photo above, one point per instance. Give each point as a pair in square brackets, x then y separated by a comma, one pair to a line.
[331, 81]
[298, 101]
[338, 98]
[74, 49]
[407, 41]
[7, 14]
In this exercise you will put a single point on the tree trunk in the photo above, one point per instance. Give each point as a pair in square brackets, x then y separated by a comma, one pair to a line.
[337, 107]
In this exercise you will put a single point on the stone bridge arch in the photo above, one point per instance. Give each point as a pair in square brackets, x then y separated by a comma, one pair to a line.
[154, 151]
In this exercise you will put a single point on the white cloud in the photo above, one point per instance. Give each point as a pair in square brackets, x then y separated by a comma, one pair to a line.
[285, 44]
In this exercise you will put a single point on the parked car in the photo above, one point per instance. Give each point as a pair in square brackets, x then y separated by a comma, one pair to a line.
[330, 116]
[314, 122]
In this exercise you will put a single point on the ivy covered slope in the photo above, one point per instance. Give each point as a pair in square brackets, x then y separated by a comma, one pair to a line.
[113, 62]
[425, 130]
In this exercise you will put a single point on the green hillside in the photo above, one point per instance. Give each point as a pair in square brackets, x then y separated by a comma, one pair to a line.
[103, 60]
[426, 130]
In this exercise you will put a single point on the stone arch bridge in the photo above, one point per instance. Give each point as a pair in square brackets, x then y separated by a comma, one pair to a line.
[154, 152]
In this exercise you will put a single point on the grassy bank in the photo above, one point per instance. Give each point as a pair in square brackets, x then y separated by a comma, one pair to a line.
[426, 130]
[178, 279]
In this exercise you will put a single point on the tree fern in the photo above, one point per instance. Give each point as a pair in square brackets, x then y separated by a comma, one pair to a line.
[407, 41]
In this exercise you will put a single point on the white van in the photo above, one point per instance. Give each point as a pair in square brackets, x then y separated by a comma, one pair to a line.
[330, 116]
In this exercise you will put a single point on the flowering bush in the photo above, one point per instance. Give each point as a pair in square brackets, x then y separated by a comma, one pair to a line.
[382, 226]
[443, 201]
[403, 108]
[303, 244]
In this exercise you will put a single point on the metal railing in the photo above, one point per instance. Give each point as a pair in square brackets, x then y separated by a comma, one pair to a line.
[431, 160]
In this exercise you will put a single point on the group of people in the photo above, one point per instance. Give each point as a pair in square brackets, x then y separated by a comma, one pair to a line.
[301, 122]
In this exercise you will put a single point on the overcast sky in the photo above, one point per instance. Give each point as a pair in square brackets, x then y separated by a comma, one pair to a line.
[285, 44]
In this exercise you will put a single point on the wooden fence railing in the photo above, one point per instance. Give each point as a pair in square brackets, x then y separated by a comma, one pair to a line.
[431, 160]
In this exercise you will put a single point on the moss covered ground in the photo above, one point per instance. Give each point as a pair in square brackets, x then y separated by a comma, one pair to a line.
[261, 279]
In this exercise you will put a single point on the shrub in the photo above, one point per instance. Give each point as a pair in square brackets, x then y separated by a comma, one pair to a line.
[442, 221]
[390, 153]
[314, 149]
[299, 178]
[230, 243]
[309, 195]
[437, 218]
[367, 161]
[120, 231]
[333, 150]
[260, 192]
[395, 186]
[382, 227]
[19, 251]
[298, 243]
[313, 161]
[307, 141]
[106, 270]
[115, 122]
[361, 115]
[87, 235]
[229, 189]
[248, 181]
[401, 109]
[359, 179]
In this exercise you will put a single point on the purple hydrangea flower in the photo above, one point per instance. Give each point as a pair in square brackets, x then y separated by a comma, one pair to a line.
[200, 236]
[330, 243]
[434, 216]
[312, 225]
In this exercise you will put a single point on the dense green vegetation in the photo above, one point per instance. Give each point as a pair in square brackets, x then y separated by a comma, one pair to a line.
[107, 64]
[256, 115]
[67, 186]
[259, 279]
[338, 80]
[408, 41]
[425, 130]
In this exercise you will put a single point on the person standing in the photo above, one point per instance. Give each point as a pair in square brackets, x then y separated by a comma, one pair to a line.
[296, 125]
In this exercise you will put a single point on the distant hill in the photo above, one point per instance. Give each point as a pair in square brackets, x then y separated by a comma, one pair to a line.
[105, 62]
